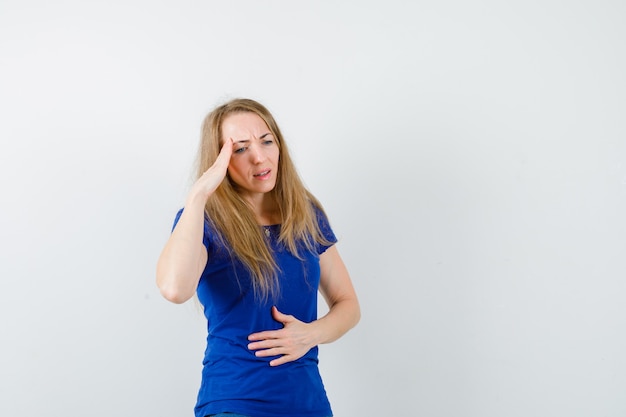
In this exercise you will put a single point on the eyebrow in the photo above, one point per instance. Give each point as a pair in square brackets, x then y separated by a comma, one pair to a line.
[248, 140]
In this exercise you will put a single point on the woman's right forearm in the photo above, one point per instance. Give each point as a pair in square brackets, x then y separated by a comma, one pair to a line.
[184, 256]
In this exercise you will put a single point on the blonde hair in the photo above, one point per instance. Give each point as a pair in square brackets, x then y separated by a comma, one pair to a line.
[232, 217]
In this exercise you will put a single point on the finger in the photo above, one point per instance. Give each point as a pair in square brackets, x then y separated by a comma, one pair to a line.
[280, 361]
[226, 152]
[264, 344]
[220, 166]
[280, 317]
[277, 351]
[271, 334]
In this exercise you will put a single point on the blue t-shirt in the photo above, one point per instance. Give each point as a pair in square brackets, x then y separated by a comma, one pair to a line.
[233, 378]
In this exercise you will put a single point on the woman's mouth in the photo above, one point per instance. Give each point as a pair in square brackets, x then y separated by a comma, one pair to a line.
[263, 174]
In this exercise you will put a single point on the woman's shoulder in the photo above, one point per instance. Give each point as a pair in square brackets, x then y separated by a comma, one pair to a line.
[212, 238]
[320, 214]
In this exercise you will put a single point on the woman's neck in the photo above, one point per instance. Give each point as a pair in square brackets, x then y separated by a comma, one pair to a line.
[265, 209]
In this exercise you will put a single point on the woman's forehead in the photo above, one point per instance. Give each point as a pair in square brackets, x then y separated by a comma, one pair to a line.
[243, 126]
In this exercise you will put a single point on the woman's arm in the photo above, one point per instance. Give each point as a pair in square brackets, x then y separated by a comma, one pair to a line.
[336, 287]
[184, 256]
[296, 338]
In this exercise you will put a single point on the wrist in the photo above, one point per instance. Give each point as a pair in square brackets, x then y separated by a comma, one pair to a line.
[196, 199]
[316, 333]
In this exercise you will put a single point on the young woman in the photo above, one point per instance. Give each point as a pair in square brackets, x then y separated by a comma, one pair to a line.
[256, 246]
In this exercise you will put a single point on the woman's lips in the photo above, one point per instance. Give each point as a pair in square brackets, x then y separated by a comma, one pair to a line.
[263, 174]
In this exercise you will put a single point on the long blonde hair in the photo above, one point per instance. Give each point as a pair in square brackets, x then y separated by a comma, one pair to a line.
[232, 217]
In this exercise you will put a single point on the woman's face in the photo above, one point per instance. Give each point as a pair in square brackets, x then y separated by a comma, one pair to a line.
[254, 163]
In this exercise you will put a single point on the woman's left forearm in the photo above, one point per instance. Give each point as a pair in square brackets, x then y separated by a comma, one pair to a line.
[343, 305]
[342, 316]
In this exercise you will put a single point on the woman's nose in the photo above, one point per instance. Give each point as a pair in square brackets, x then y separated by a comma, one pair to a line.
[256, 154]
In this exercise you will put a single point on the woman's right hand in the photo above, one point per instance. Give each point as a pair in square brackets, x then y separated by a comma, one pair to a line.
[184, 257]
[213, 177]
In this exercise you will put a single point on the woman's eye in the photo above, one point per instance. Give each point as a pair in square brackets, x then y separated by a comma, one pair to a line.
[240, 150]
[268, 142]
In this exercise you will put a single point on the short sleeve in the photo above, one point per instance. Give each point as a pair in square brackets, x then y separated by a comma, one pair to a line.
[327, 231]
[205, 235]
[177, 218]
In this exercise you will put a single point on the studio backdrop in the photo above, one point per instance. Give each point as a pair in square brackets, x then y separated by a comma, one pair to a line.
[471, 156]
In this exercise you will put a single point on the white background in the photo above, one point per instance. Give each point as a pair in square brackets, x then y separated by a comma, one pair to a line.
[471, 156]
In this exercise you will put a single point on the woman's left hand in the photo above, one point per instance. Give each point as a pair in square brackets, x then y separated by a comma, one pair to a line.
[291, 342]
